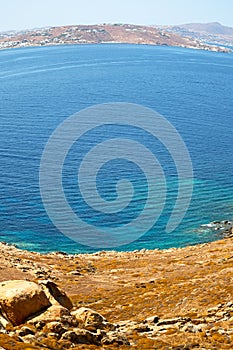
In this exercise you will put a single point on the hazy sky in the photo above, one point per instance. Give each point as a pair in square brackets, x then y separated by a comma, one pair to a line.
[20, 14]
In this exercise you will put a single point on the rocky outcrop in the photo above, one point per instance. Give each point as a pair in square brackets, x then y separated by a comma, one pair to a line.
[179, 298]
[39, 317]
[46, 311]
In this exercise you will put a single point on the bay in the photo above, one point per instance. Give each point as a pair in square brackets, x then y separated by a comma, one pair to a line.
[41, 87]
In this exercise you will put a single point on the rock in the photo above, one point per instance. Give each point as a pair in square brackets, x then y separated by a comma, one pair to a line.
[24, 331]
[39, 325]
[53, 335]
[152, 319]
[71, 336]
[81, 336]
[3, 331]
[91, 320]
[88, 318]
[55, 295]
[4, 322]
[213, 310]
[197, 321]
[142, 328]
[53, 313]
[173, 321]
[115, 338]
[229, 304]
[221, 314]
[29, 338]
[75, 273]
[165, 328]
[210, 319]
[55, 327]
[20, 299]
[189, 327]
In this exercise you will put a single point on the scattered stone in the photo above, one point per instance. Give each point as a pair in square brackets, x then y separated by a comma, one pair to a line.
[24, 331]
[53, 313]
[142, 328]
[4, 322]
[193, 328]
[152, 319]
[53, 335]
[39, 325]
[115, 338]
[55, 327]
[75, 273]
[30, 338]
[60, 327]
[89, 319]
[81, 336]
[173, 321]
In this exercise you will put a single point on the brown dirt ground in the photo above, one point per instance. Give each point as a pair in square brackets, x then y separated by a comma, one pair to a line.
[133, 286]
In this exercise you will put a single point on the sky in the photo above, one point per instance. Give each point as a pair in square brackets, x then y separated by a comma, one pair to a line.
[27, 14]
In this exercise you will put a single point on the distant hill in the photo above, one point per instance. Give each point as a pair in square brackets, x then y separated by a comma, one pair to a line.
[101, 33]
[209, 32]
[214, 28]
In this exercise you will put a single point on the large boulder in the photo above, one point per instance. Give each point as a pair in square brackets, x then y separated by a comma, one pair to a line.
[21, 299]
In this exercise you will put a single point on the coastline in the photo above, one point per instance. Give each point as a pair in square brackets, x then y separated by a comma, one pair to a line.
[129, 287]
[176, 298]
[103, 34]
[204, 47]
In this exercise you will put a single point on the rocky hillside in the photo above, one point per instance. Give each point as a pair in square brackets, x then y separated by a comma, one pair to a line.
[207, 32]
[171, 299]
[104, 33]
[213, 28]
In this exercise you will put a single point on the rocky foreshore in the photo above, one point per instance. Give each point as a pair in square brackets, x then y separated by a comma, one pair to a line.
[179, 298]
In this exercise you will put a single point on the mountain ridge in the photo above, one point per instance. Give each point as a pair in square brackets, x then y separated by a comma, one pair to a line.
[211, 28]
[213, 32]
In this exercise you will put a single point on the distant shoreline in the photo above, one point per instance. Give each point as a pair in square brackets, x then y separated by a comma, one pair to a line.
[103, 34]
[117, 43]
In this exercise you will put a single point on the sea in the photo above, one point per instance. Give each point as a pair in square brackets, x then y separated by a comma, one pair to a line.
[40, 87]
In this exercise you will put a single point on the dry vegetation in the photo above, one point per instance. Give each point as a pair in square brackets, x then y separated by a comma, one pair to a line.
[185, 282]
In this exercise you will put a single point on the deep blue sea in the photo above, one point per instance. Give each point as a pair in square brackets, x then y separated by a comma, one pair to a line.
[41, 87]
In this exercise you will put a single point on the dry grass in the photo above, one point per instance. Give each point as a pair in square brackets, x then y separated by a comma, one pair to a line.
[123, 286]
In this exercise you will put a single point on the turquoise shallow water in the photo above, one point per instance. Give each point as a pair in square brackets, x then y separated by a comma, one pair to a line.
[41, 87]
